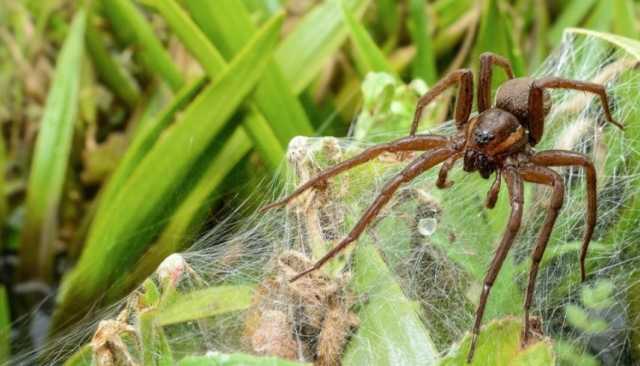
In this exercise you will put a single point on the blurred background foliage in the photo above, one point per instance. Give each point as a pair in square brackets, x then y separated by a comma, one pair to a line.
[130, 127]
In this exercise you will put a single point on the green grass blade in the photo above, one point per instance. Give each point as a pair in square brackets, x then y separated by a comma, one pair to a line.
[111, 72]
[625, 23]
[192, 211]
[601, 17]
[134, 31]
[205, 303]
[4, 207]
[50, 159]
[368, 55]
[571, 16]
[213, 62]
[229, 26]
[319, 34]
[424, 63]
[496, 35]
[143, 141]
[82, 357]
[140, 209]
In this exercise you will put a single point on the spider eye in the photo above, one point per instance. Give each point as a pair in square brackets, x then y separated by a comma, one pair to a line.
[482, 137]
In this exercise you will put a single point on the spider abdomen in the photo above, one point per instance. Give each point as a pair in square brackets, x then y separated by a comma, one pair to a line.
[513, 97]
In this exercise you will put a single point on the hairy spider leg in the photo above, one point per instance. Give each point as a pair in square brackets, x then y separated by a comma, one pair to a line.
[536, 101]
[492, 195]
[487, 61]
[442, 181]
[410, 143]
[546, 176]
[570, 158]
[515, 187]
[419, 165]
[464, 103]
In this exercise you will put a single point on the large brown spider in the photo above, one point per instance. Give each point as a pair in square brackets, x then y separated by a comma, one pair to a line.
[498, 139]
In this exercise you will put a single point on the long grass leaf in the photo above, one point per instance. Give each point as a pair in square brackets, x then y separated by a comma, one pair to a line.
[134, 30]
[571, 16]
[368, 54]
[213, 62]
[51, 157]
[424, 63]
[626, 22]
[192, 210]
[319, 34]
[118, 239]
[229, 26]
[5, 326]
[111, 72]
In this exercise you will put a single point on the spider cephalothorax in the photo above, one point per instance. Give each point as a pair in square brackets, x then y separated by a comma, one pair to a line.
[498, 139]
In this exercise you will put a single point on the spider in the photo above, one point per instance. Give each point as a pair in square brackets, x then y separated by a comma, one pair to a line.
[500, 140]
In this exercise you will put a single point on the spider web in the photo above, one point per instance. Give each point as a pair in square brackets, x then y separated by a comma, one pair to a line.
[406, 292]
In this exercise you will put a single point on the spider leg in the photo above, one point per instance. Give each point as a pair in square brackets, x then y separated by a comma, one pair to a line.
[514, 183]
[536, 101]
[492, 195]
[442, 181]
[570, 158]
[415, 168]
[546, 176]
[464, 101]
[487, 61]
[410, 143]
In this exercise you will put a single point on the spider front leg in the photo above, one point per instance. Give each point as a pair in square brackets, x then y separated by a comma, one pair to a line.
[514, 184]
[442, 181]
[487, 61]
[416, 167]
[570, 158]
[536, 101]
[411, 143]
[546, 176]
[464, 77]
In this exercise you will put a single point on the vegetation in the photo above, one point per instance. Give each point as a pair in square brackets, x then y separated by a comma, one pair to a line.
[129, 128]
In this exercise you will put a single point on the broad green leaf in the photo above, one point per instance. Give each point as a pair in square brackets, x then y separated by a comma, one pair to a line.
[113, 74]
[369, 56]
[315, 39]
[499, 345]
[120, 236]
[155, 348]
[229, 25]
[51, 158]
[82, 357]
[424, 63]
[236, 359]
[205, 303]
[134, 31]
[390, 331]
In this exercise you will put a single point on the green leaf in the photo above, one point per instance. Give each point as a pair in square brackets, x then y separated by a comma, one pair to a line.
[193, 209]
[571, 16]
[625, 23]
[236, 359]
[140, 209]
[51, 157]
[381, 339]
[111, 72]
[370, 57]
[424, 63]
[579, 318]
[134, 31]
[496, 35]
[499, 344]
[82, 357]
[205, 303]
[229, 26]
[316, 38]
